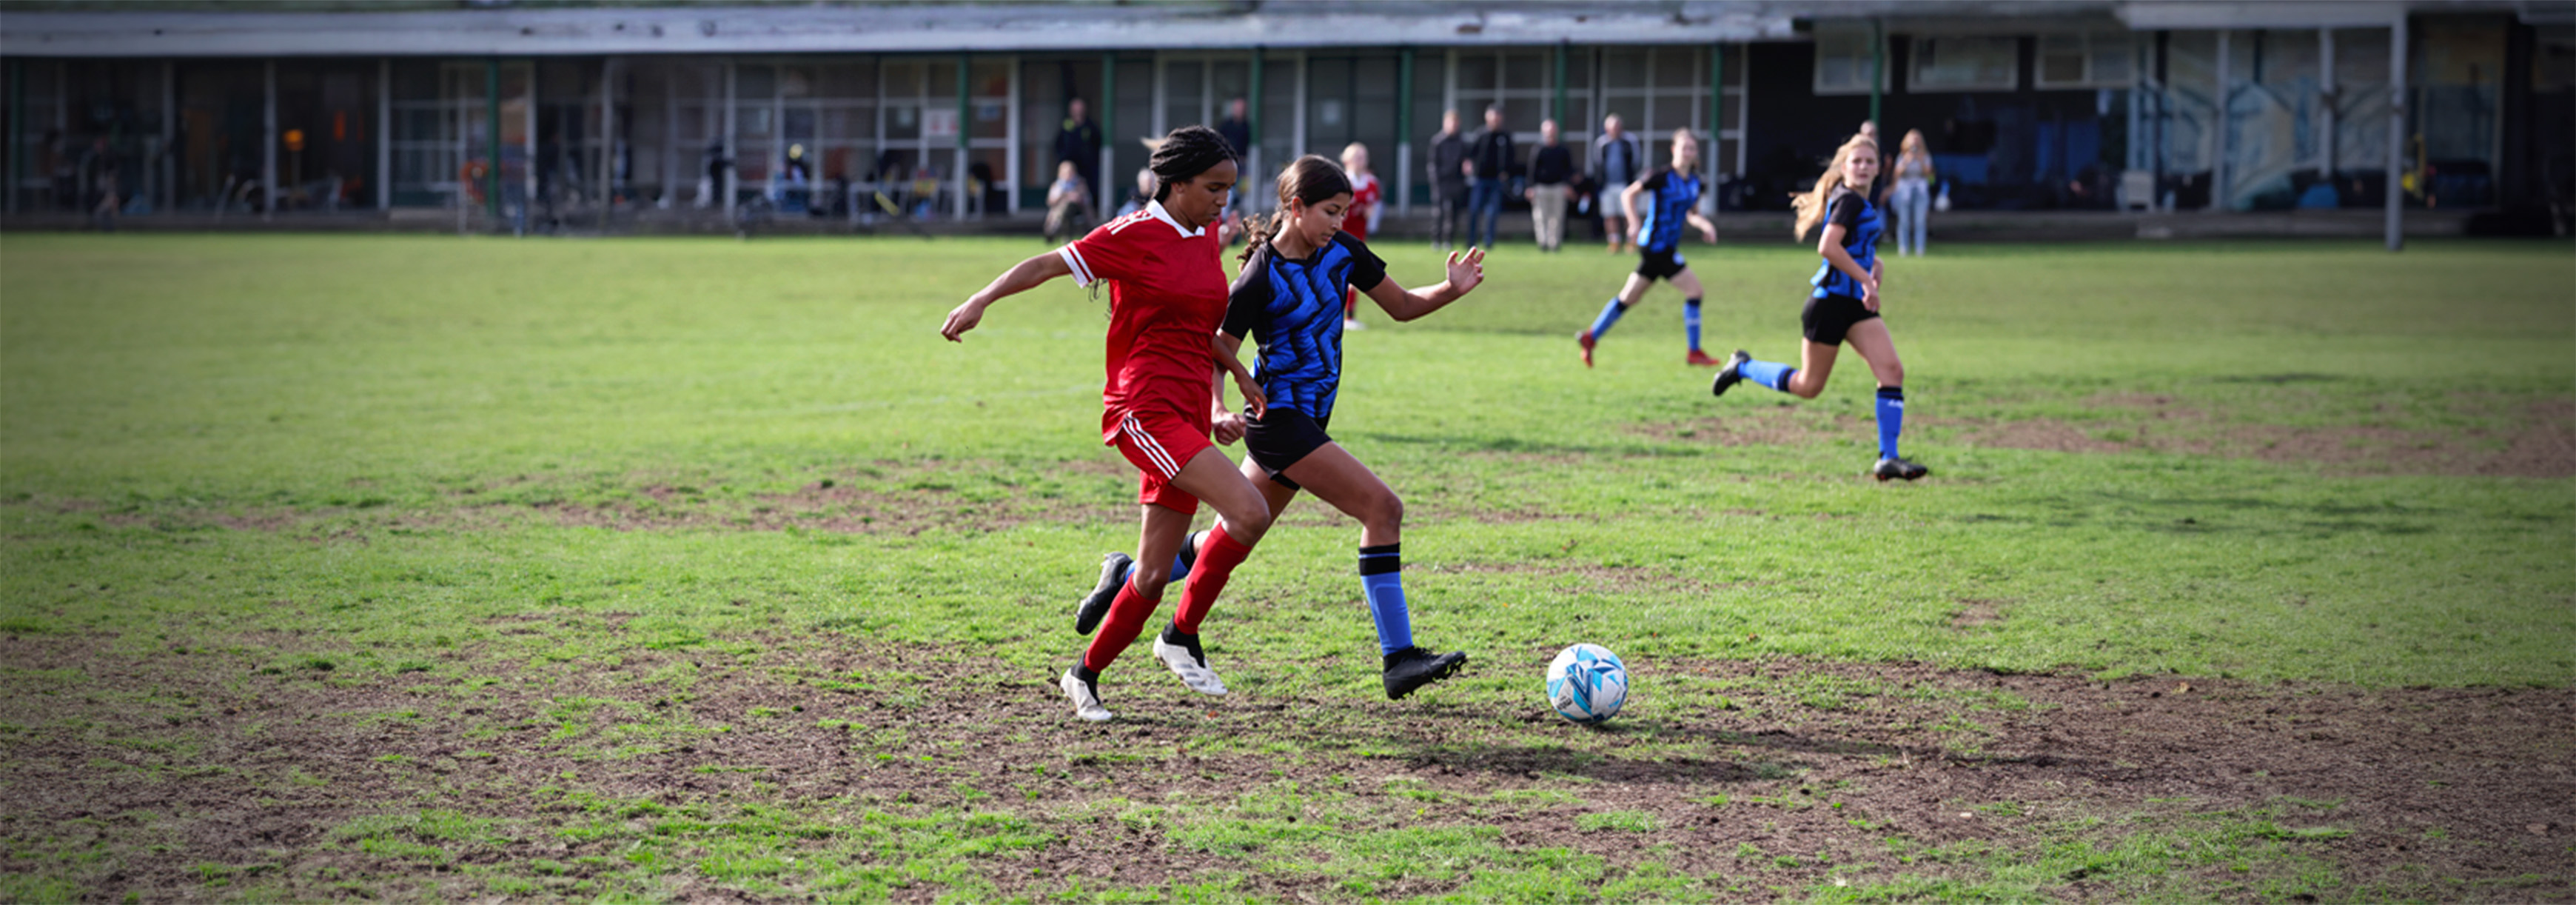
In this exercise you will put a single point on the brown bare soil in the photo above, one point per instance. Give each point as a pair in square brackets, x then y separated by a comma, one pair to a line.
[160, 762]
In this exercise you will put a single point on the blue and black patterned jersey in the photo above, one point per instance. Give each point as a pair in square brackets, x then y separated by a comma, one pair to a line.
[1668, 199]
[1861, 227]
[1293, 309]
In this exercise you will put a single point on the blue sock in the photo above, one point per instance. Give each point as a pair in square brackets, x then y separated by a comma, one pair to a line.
[1891, 419]
[1382, 580]
[1769, 374]
[1609, 315]
[1180, 561]
[1690, 321]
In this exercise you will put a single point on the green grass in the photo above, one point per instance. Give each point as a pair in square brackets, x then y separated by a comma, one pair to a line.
[333, 466]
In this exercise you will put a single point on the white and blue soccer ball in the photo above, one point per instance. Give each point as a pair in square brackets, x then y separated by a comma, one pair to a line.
[1587, 684]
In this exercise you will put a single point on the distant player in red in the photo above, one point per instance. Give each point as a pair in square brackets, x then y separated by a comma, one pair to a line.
[1362, 217]
[1163, 400]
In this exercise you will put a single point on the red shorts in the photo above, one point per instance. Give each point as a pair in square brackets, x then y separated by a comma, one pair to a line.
[1160, 443]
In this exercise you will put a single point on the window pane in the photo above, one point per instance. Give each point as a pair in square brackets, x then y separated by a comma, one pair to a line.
[1624, 67]
[1677, 67]
[1527, 71]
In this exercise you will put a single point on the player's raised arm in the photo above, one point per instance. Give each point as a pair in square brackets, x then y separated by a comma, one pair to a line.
[1022, 277]
[1466, 271]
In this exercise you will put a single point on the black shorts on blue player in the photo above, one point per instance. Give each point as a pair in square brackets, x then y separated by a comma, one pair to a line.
[1842, 305]
[1665, 203]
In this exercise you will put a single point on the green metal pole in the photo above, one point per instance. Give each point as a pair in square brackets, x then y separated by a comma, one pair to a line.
[17, 129]
[492, 126]
[1877, 64]
[1557, 111]
[964, 89]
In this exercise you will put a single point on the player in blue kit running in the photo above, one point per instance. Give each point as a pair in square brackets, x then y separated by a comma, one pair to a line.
[1842, 305]
[1658, 206]
[1288, 299]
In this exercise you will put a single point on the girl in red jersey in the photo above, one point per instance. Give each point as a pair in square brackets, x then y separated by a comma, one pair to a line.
[1360, 218]
[1163, 401]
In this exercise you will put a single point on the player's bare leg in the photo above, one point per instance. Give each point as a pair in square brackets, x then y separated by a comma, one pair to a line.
[1870, 339]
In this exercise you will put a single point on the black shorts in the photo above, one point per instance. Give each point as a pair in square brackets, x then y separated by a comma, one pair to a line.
[1660, 265]
[1280, 438]
[1830, 318]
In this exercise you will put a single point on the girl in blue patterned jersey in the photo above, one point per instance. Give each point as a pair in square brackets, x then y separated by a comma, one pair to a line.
[1843, 304]
[1288, 299]
[1658, 207]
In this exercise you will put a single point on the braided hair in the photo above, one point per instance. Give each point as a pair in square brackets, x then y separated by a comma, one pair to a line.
[1312, 179]
[1184, 154]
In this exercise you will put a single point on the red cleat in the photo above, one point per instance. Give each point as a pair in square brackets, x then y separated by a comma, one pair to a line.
[1701, 359]
[1584, 339]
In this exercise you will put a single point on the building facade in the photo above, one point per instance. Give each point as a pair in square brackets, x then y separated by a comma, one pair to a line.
[956, 111]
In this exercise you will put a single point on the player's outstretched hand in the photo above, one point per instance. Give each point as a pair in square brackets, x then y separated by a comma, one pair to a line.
[964, 318]
[1465, 271]
[1709, 232]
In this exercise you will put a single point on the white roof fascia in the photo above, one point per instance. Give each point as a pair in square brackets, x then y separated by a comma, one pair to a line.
[2161, 15]
[883, 29]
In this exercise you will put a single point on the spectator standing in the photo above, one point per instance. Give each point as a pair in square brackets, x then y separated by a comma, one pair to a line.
[1360, 218]
[1912, 196]
[1550, 166]
[1448, 166]
[1616, 162]
[1077, 140]
[1238, 135]
[1489, 162]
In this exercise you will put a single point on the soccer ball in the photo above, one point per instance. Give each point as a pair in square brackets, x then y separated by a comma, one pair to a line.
[1587, 684]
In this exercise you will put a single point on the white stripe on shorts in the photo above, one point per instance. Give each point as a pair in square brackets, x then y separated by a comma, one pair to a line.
[1162, 460]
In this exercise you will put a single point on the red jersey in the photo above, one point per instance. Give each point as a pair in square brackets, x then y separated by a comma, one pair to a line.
[1365, 192]
[1167, 294]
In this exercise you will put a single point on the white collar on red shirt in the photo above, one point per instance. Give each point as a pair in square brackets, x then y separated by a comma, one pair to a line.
[1156, 208]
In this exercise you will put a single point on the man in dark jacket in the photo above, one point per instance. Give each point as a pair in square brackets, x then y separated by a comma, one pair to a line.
[1448, 171]
[1550, 166]
[1078, 140]
[1490, 158]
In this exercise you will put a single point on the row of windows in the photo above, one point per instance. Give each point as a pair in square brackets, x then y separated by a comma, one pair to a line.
[1951, 63]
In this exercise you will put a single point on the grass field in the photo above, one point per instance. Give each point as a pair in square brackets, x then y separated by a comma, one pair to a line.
[427, 568]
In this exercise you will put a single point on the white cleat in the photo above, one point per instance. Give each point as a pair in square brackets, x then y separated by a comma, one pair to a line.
[1086, 700]
[1185, 661]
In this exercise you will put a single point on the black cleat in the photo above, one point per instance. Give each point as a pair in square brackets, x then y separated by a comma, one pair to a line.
[1113, 573]
[1898, 468]
[1731, 374]
[1409, 669]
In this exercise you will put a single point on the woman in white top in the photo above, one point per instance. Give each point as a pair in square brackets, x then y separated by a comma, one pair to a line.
[1912, 195]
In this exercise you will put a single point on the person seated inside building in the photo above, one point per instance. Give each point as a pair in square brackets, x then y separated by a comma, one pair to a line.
[1068, 204]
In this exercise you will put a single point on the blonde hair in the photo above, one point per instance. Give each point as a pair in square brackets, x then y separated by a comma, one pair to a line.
[1360, 150]
[1914, 145]
[1811, 206]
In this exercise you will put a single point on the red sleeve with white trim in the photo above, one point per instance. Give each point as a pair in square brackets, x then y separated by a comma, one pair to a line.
[1106, 254]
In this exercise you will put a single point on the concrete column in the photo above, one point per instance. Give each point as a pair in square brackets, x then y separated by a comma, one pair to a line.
[1109, 175]
[268, 139]
[2396, 132]
[1252, 173]
[169, 166]
[728, 182]
[607, 137]
[1716, 113]
[1011, 114]
[1404, 133]
[1877, 63]
[965, 129]
[492, 136]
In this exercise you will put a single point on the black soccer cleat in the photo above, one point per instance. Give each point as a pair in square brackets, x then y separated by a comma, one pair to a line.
[1113, 574]
[1731, 374]
[1898, 468]
[1409, 669]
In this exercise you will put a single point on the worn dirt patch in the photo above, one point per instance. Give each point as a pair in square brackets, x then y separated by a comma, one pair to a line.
[160, 763]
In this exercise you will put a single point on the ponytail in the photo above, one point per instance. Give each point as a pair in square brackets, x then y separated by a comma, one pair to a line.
[1811, 206]
[1311, 180]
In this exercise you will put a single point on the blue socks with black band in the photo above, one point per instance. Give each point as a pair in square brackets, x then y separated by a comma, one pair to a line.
[1891, 419]
[1609, 315]
[1382, 579]
[1690, 321]
[1768, 373]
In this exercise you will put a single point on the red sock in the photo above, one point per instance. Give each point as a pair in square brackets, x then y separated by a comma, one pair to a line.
[1127, 615]
[1218, 555]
